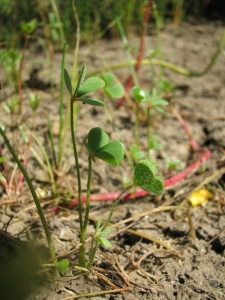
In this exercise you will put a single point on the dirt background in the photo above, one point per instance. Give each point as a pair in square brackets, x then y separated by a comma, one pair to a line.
[192, 267]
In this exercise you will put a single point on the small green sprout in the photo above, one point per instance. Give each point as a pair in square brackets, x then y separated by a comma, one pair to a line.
[29, 27]
[83, 88]
[112, 89]
[172, 165]
[34, 101]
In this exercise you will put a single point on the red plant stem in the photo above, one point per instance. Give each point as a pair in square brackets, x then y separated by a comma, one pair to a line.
[129, 82]
[139, 192]
[193, 143]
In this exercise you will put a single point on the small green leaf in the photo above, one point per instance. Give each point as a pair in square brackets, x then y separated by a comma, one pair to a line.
[97, 138]
[108, 78]
[156, 187]
[68, 82]
[91, 101]
[98, 224]
[90, 85]
[144, 177]
[2, 159]
[105, 232]
[136, 153]
[115, 91]
[112, 89]
[104, 242]
[28, 27]
[111, 153]
[144, 173]
[138, 93]
[81, 79]
[62, 265]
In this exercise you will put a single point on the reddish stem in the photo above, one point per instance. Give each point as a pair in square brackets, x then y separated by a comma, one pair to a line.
[129, 82]
[139, 192]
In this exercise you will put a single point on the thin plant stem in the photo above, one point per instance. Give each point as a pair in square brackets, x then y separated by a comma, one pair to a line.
[34, 195]
[127, 51]
[49, 167]
[136, 124]
[80, 206]
[74, 72]
[52, 142]
[115, 203]
[56, 13]
[60, 141]
[88, 203]
[148, 131]
[94, 243]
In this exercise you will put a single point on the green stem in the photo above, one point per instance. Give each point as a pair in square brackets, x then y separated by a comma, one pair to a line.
[115, 203]
[127, 51]
[36, 200]
[88, 203]
[60, 141]
[148, 131]
[136, 125]
[80, 206]
[56, 13]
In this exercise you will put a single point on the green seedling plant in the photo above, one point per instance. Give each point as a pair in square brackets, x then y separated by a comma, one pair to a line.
[99, 146]
[113, 90]
[151, 101]
[172, 165]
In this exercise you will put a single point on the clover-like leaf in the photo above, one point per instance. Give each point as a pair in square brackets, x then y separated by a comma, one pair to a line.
[91, 101]
[115, 91]
[97, 138]
[111, 153]
[90, 85]
[157, 187]
[138, 93]
[62, 265]
[108, 78]
[112, 89]
[68, 82]
[144, 177]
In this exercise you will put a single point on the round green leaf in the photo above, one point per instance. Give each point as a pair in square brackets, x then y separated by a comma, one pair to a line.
[111, 153]
[144, 173]
[138, 93]
[156, 187]
[91, 101]
[144, 177]
[115, 91]
[90, 85]
[62, 265]
[97, 138]
[108, 78]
